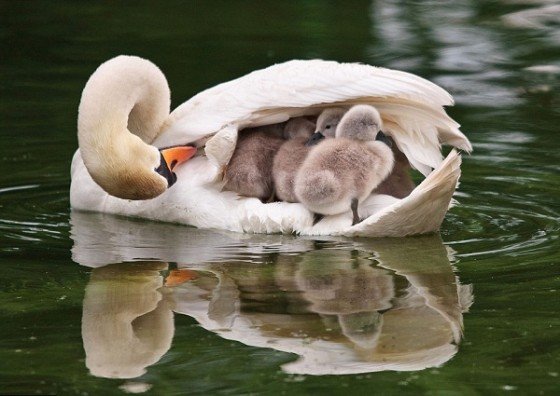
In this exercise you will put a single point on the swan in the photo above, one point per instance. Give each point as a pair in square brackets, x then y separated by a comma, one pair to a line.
[124, 121]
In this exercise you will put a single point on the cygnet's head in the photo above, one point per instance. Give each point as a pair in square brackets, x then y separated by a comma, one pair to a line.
[298, 127]
[328, 121]
[361, 122]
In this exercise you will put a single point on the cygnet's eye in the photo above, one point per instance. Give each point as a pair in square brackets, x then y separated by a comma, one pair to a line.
[328, 127]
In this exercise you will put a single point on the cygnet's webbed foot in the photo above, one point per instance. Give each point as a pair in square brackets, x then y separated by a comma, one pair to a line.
[317, 217]
[354, 206]
[272, 197]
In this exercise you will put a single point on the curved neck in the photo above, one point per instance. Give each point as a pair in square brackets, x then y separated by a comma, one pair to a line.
[128, 92]
[123, 107]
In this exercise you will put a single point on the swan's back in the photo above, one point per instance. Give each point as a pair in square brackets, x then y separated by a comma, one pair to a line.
[411, 107]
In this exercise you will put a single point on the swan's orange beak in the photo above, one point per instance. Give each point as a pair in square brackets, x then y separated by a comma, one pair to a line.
[170, 158]
[177, 155]
[178, 277]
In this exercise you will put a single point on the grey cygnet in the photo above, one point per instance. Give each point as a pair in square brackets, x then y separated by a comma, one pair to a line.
[290, 156]
[340, 173]
[249, 172]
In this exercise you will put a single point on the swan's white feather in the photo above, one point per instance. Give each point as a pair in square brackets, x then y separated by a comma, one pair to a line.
[411, 106]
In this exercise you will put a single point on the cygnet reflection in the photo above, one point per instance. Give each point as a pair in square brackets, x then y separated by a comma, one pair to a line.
[344, 306]
[335, 308]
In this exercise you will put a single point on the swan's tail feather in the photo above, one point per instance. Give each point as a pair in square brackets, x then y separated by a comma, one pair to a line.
[422, 211]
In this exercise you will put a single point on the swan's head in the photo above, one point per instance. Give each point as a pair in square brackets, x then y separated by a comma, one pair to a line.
[144, 172]
[124, 107]
[361, 122]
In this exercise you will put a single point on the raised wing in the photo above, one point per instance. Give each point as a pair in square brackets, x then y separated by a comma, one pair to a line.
[412, 108]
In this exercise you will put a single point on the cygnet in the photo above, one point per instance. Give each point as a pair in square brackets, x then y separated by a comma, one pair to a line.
[326, 124]
[398, 184]
[249, 172]
[301, 138]
[340, 173]
[290, 156]
[328, 121]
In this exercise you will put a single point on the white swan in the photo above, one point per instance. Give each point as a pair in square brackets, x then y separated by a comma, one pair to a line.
[128, 96]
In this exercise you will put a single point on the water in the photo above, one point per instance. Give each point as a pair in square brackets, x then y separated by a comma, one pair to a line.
[267, 314]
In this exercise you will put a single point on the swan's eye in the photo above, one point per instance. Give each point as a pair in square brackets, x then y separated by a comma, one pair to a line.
[328, 127]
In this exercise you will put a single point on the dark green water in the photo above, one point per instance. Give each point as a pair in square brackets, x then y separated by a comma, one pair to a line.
[255, 303]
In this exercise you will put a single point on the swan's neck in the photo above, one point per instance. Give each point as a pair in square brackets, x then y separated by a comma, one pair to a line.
[123, 106]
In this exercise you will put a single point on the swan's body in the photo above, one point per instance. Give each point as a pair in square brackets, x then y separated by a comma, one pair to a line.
[340, 173]
[411, 108]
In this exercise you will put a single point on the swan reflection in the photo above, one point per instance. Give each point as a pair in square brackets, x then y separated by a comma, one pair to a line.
[343, 306]
[127, 321]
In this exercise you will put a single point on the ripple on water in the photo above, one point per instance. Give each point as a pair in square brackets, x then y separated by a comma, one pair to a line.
[33, 213]
[511, 224]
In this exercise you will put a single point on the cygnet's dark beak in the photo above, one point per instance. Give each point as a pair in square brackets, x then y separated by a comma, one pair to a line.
[384, 138]
[315, 138]
[170, 158]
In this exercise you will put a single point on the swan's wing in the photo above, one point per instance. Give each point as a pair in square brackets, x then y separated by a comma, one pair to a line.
[419, 213]
[412, 107]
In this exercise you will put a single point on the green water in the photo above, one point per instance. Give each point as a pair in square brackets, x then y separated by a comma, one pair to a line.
[260, 314]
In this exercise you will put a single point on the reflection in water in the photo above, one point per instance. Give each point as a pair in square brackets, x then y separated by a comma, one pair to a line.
[343, 306]
[127, 322]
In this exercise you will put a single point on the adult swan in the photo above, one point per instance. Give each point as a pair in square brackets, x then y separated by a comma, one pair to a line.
[124, 126]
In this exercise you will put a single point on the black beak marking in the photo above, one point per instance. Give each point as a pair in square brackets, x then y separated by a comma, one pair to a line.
[164, 171]
[384, 138]
[315, 138]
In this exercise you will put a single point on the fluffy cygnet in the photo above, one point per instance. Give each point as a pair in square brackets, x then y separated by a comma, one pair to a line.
[340, 173]
[299, 132]
[290, 156]
[326, 124]
[398, 184]
[329, 119]
[249, 172]
[297, 128]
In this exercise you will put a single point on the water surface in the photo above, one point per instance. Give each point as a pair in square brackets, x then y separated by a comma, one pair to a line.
[87, 299]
